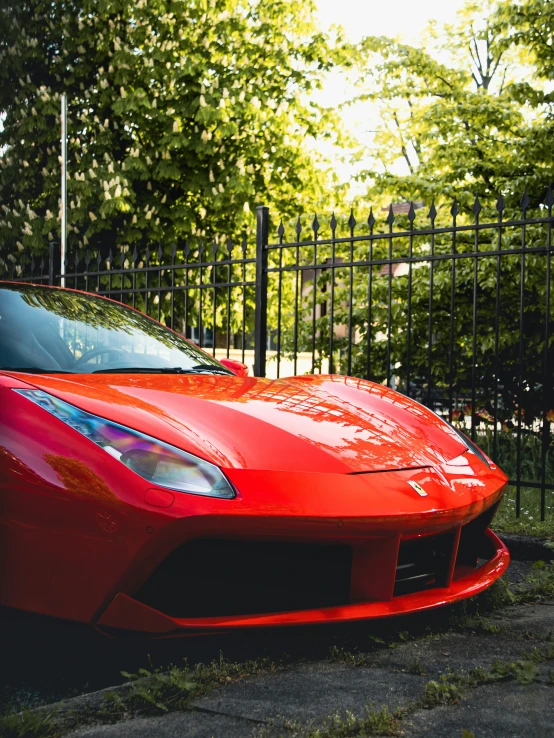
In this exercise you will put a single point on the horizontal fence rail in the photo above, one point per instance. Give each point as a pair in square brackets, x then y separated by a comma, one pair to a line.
[451, 308]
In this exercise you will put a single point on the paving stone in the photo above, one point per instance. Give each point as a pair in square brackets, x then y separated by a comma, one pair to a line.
[504, 710]
[312, 692]
[176, 725]
[533, 621]
[522, 628]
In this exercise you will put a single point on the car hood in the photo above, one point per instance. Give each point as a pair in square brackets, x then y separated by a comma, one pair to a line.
[314, 423]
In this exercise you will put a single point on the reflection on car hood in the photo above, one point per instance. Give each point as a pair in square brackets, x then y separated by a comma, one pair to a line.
[315, 423]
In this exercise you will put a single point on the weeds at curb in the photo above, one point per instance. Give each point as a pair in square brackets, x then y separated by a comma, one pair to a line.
[416, 667]
[448, 690]
[28, 724]
[371, 723]
[342, 656]
[442, 692]
[156, 691]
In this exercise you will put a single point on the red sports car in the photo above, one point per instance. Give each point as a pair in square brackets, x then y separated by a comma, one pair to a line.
[146, 486]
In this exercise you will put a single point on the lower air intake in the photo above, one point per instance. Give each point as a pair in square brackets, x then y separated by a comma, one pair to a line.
[210, 578]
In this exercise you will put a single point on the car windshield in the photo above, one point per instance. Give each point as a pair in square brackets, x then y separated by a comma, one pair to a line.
[47, 330]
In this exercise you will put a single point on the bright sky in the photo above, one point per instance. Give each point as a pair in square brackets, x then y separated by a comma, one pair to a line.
[406, 19]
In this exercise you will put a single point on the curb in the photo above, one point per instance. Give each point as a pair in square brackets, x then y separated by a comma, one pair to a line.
[527, 548]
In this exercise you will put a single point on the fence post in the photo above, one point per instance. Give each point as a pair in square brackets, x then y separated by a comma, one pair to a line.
[260, 324]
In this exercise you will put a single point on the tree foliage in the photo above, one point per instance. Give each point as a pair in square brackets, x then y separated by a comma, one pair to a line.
[183, 114]
[458, 117]
[458, 125]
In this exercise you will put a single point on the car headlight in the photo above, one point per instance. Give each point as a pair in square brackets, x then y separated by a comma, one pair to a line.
[158, 462]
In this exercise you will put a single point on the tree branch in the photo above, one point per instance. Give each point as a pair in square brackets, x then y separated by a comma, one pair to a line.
[402, 144]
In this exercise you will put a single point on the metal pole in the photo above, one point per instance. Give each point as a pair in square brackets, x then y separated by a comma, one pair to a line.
[64, 189]
[260, 322]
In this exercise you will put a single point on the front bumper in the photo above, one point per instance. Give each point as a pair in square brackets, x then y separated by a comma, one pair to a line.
[410, 554]
[461, 582]
[84, 535]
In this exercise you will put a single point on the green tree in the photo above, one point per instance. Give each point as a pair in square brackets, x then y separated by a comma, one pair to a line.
[182, 115]
[461, 128]
[450, 122]
[527, 28]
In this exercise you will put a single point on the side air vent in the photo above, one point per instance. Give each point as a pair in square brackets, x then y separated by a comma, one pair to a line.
[423, 563]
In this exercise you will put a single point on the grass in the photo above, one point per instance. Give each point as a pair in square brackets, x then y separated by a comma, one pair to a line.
[150, 691]
[539, 585]
[28, 724]
[371, 722]
[447, 690]
[416, 667]
[156, 690]
[529, 522]
[531, 455]
[442, 692]
[523, 671]
[471, 614]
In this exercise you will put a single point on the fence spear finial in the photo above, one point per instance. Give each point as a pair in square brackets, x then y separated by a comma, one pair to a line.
[432, 211]
[315, 225]
[371, 219]
[525, 202]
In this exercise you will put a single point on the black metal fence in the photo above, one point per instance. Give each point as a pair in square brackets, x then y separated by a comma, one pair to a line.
[196, 289]
[451, 307]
